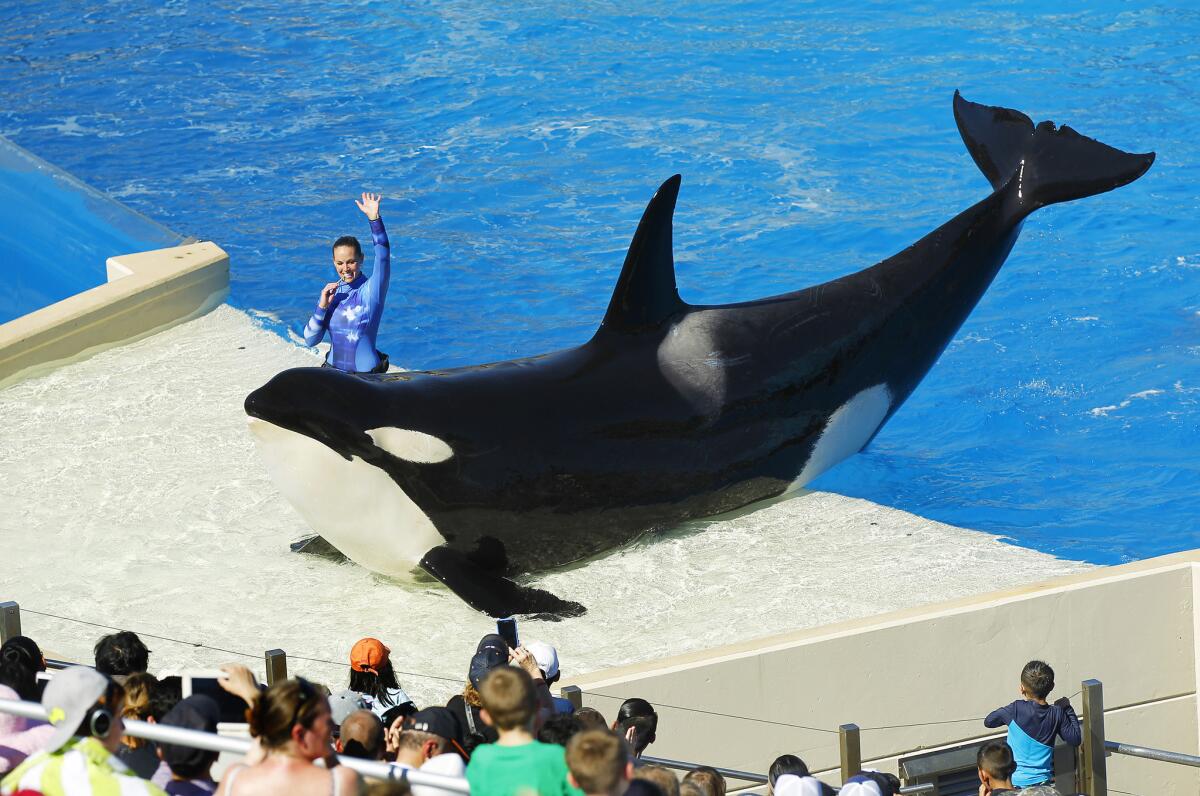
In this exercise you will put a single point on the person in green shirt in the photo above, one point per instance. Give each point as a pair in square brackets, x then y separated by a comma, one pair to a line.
[516, 764]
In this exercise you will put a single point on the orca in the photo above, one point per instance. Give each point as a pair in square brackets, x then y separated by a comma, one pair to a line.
[670, 412]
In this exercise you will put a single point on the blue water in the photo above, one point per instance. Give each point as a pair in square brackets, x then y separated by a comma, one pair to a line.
[516, 145]
[57, 233]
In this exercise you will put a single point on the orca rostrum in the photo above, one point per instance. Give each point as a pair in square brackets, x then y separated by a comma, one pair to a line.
[670, 412]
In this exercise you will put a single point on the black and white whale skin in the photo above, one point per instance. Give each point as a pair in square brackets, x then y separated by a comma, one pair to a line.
[670, 412]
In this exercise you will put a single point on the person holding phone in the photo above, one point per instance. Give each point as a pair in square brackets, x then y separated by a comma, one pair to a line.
[350, 308]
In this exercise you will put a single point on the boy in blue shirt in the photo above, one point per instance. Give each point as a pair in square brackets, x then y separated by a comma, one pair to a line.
[1032, 725]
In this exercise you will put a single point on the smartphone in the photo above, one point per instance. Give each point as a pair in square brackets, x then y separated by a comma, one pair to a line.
[507, 628]
[232, 708]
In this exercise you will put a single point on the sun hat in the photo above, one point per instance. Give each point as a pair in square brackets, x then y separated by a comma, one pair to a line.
[546, 657]
[68, 698]
[368, 655]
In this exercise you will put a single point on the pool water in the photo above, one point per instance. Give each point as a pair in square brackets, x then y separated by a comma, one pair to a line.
[517, 144]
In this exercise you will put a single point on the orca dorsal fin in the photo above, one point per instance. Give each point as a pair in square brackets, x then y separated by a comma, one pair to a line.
[646, 295]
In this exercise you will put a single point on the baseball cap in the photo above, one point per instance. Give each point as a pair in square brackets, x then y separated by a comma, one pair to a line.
[546, 657]
[484, 661]
[493, 641]
[197, 712]
[368, 655]
[343, 703]
[68, 698]
[792, 785]
[435, 721]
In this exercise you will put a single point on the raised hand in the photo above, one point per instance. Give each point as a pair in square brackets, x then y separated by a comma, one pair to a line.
[369, 204]
[327, 294]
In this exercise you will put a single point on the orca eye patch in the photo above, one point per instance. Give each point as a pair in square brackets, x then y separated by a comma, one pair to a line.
[409, 445]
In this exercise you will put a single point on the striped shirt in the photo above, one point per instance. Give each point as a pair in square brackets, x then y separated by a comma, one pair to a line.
[82, 767]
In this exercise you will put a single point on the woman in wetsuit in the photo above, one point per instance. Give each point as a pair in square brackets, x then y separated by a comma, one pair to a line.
[351, 307]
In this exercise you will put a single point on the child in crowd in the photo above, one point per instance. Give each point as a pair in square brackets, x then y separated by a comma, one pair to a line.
[995, 765]
[599, 763]
[516, 762]
[1032, 725]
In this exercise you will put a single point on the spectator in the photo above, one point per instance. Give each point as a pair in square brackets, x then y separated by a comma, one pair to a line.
[20, 678]
[19, 737]
[591, 719]
[871, 783]
[137, 753]
[119, 655]
[361, 736]
[637, 723]
[547, 661]
[1032, 725]
[425, 741]
[995, 765]
[25, 650]
[707, 779]
[491, 652]
[517, 762]
[690, 789]
[293, 726]
[559, 729]
[662, 778]
[795, 785]
[372, 676]
[598, 763]
[342, 704]
[84, 708]
[790, 764]
[190, 769]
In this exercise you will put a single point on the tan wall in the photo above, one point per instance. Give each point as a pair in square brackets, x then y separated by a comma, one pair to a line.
[146, 292]
[1131, 627]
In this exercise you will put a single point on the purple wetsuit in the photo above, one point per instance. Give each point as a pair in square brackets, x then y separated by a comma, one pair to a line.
[352, 317]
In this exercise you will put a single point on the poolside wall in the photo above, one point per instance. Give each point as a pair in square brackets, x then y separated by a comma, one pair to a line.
[146, 292]
[1133, 627]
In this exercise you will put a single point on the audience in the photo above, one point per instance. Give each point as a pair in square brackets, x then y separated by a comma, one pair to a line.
[560, 728]
[372, 677]
[790, 765]
[84, 708]
[1033, 724]
[547, 661]
[361, 736]
[637, 723]
[190, 770]
[119, 655]
[517, 762]
[598, 763]
[491, 652]
[663, 778]
[591, 719]
[138, 754]
[425, 741]
[995, 765]
[19, 737]
[293, 726]
[706, 778]
[795, 785]
[20, 678]
[25, 651]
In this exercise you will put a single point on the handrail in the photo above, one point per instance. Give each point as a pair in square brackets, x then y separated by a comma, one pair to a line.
[1116, 747]
[216, 743]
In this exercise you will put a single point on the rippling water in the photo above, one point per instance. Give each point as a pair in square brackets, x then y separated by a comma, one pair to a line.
[517, 144]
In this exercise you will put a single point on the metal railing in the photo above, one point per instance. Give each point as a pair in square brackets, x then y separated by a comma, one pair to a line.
[240, 746]
[1118, 748]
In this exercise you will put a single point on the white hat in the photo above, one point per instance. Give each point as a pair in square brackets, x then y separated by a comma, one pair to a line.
[792, 785]
[546, 657]
[343, 703]
[68, 698]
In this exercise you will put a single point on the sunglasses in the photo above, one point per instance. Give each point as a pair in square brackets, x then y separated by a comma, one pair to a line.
[307, 694]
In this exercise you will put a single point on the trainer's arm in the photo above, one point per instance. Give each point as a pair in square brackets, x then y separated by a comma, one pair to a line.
[315, 329]
[381, 272]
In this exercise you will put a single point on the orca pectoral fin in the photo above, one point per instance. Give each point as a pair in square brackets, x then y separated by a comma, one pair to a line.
[491, 593]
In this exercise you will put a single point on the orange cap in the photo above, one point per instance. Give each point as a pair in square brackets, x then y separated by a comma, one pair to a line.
[368, 654]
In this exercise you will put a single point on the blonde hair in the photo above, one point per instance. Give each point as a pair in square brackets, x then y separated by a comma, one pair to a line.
[508, 697]
[138, 689]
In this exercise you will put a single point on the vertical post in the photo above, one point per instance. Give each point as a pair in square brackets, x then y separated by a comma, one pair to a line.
[573, 694]
[276, 666]
[10, 621]
[849, 750]
[1094, 773]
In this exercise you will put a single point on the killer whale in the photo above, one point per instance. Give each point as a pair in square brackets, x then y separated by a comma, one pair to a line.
[669, 412]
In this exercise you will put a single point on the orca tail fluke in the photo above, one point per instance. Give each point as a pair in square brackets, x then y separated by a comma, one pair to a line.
[1051, 164]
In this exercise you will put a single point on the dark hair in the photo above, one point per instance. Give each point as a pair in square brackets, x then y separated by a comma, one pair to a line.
[560, 728]
[281, 707]
[707, 779]
[19, 677]
[114, 694]
[121, 653]
[165, 695]
[996, 758]
[26, 650]
[591, 719]
[349, 240]
[787, 764]
[1038, 678]
[638, 714]
[377, 685]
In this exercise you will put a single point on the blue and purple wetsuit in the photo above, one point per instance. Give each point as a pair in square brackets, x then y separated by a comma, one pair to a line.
[352, 317]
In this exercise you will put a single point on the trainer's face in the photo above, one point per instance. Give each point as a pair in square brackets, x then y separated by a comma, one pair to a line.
[346, 263]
